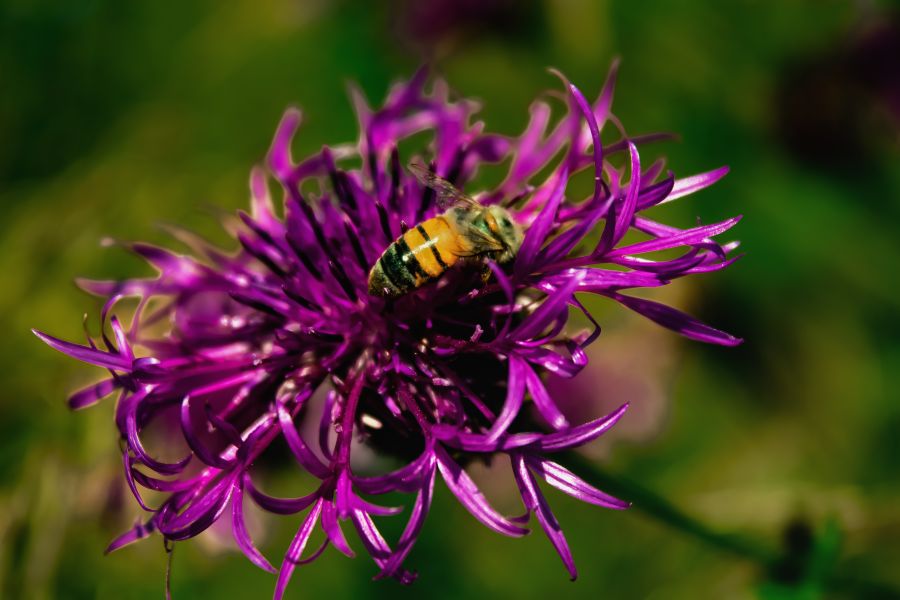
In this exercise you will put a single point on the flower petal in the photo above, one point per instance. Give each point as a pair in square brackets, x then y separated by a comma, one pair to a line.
[542, 400]
[678, 321]
[540, 227]
[295, 550]
[535, 501]
[471, 497]
[514, 396]
[581, 434]
[566, 481]
[685, 237]
[138, 532]
[92, 394]
[100, 358]
[332, 528]
[695, 183]
[241, 535]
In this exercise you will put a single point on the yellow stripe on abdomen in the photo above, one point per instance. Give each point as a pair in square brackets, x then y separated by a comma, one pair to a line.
[432, 241]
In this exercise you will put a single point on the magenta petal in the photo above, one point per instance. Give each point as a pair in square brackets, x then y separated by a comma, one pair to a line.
[129, 406]
[471, 497]
[376, 546]
[92, 394]
[604, 100]
[202, 512]
[594, 128]
[599, 280]
[302, 453]
[295, 550]
[413, 526]
[535, 501]
[514, 396]
[280, 153]
[551, 309]
[581, 434]
[371, 538]
[241, 535]
[542, 400]
[623, 219]
[566, 481]
[405, 479]
[128, 464]
[678, 321]
[190, 428]
[138, 532]
[695, 183]
[278, 506]
[537, 232]
[686, 237]
[332, 528]
[83, 353]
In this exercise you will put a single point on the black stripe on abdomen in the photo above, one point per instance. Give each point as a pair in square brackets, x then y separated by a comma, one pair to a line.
[395, 269]
[409, 260]
[434, 249]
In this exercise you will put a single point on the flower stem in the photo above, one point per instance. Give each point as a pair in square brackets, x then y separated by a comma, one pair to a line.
[658, 508]
[767, 557]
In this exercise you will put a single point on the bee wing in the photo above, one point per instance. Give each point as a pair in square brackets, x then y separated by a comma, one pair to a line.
[447, 194]
[481, 241]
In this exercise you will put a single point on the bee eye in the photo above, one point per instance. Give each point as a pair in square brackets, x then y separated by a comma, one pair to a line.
[506, 222]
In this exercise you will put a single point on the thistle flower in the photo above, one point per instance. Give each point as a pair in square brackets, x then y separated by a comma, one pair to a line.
[438, 378]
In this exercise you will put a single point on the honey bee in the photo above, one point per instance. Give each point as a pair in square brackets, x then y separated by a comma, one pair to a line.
[465, 230]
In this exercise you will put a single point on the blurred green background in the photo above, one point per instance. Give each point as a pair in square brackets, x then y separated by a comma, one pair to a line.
[115, 117]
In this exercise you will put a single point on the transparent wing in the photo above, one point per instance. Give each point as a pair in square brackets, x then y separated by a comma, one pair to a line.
[447, 194]
[481, 242]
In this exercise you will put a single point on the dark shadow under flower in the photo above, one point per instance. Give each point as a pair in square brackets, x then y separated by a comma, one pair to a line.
[437, 377]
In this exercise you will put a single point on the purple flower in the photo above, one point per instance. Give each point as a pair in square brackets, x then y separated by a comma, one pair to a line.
[226, 351]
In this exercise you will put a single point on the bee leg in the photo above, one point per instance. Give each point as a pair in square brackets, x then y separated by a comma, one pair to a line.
[485, 273]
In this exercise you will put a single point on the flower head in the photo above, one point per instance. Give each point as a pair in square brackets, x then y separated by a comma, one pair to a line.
[439, 377]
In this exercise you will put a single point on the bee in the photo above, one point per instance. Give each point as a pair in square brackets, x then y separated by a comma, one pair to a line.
[465, 230]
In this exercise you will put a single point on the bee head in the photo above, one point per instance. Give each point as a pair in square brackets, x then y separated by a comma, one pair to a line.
[504, 228]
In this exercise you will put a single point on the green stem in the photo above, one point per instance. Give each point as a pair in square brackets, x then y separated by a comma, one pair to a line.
[656, 507]
[659, 509]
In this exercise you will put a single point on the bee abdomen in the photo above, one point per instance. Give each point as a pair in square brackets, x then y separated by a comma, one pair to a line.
[412, 260]
[398, 271]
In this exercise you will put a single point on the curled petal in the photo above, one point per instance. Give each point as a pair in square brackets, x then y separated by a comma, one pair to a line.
[130, 407]
[413, 526]
[279, 506]
[295, 550]
[581, 434]
[405, 479]
[280, 160]
[625, 216]
[241, 535]
[302, 453]
[514, 395]
[332, 528]
[471, 497]
[542, 400]
[535, 502]
[550, 309]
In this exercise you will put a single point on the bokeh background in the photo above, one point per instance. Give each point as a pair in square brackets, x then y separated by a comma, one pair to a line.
[115, 117]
